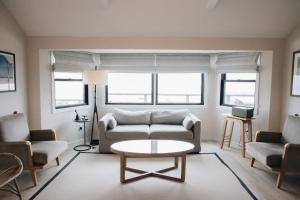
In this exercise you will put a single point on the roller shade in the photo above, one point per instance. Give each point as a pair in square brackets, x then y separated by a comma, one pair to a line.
[236, 62]
[155, 62]
[67, 61]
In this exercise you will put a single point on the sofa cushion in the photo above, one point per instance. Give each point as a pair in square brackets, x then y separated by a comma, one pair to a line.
[14, 128]
[188, 123]
[126, 132]
[168, 116]
[46, 151]
[291, 131]
[127, 117]
[167, 131]
[112, 123]
[267, 153]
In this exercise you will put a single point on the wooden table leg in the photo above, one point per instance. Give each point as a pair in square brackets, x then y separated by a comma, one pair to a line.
[230, 132]
[224, 133]
[176, 162]
[122, 168]
[250, 131]
[243, 138]
[183, 166]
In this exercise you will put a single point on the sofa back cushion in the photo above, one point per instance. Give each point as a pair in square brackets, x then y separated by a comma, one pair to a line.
[14, 128]
[168, 116]
[127, 117]
[291, 130]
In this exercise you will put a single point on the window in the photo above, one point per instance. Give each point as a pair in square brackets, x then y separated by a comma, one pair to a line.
[129, 88]
[238, 89]
[69, 90]
[180, 88]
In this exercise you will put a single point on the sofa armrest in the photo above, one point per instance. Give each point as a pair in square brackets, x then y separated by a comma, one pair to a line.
[291, 157]
[22, 149]
[196, 126]
[268, 137]
[42, 135]
[103, 125]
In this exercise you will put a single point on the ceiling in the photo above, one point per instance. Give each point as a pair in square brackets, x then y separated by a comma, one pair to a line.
[156, 18]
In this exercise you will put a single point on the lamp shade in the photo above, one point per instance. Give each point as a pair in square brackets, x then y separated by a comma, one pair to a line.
[94, 77]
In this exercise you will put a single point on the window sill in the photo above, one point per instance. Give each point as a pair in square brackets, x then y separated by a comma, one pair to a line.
[68, 109]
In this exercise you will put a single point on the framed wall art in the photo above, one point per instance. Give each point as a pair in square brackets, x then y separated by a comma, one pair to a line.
[7, 72]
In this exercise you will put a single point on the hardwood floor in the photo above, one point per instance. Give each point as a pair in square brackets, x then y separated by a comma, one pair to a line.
[259, 179]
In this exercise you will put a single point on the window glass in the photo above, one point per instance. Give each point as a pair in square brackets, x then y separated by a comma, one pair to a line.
[238, 89]
[129, 88]
[179, 88]
[69, 90]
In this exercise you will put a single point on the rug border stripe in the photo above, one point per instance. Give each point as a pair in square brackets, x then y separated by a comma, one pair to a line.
[242, 183]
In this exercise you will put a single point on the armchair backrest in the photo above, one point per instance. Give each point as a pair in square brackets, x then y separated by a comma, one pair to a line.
[291, 130]
[14, 128]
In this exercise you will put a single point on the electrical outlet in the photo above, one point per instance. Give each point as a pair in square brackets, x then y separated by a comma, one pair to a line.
[80, 128]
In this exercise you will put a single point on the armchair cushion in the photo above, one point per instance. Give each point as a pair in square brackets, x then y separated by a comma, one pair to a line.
[46, 151]
[42, 135]
[14, 128]
[291, 131]
[269, 154]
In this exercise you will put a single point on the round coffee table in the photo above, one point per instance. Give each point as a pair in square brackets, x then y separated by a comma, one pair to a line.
[152, 149]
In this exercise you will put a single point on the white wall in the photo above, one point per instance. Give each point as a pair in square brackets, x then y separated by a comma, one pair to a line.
[290, 105]
[13, 40]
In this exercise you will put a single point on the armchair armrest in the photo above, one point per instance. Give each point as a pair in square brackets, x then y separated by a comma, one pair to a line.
[42, 135]
[22, 149]
[291, 157]
[103, 125]
[268, 137]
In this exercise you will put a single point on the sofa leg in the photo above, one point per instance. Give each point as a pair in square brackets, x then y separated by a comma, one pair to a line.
[252, 162]
[57, 160]
[280, 178]
[33, 176]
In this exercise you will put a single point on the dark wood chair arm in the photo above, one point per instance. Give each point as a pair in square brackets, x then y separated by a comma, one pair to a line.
[268, 136]
[42, 135]
[291, 157]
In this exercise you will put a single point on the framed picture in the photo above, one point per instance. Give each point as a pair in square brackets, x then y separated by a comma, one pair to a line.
[7, 72]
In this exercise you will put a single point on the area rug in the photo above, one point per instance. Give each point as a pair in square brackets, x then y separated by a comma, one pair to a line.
[96, 176]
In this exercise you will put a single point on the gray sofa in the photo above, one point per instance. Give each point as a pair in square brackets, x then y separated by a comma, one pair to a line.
[278, 151]
[158, 124]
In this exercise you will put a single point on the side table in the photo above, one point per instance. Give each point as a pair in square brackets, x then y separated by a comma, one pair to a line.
[245, 123]
[84, 146]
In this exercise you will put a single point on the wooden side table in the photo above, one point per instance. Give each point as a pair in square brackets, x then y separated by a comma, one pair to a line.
[245, 123]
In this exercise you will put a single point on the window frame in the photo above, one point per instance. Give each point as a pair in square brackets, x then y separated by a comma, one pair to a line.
[85, 93]
[222, 89]
[202, 90]
[132, 103]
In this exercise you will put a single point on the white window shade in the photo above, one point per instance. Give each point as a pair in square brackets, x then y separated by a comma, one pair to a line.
[236, 62]
[185, 63]
[67, 61]
[127, 62]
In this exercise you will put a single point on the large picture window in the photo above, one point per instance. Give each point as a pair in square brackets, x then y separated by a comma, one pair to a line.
[238, 89]
[129, 88]
[180, 88]
[69, 90]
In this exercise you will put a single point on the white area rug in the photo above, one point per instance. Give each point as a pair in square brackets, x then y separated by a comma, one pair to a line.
[96, 176]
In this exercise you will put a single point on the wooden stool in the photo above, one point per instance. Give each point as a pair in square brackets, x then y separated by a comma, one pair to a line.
[245, 122]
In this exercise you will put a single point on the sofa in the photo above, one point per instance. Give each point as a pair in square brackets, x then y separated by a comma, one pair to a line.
[278, 151]
[156, 124]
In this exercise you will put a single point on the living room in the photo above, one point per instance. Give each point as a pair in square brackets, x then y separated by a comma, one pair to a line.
[168, 75]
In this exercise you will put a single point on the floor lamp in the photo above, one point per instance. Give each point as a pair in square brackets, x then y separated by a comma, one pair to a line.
[94, 77]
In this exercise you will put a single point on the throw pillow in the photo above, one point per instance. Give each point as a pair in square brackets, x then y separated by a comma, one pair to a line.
[112, 123]
[188, 122]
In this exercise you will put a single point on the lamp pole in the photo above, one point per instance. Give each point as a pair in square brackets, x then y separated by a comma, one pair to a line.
[95, 113]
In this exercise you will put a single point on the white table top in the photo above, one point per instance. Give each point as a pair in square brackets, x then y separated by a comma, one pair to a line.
[152, 148]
